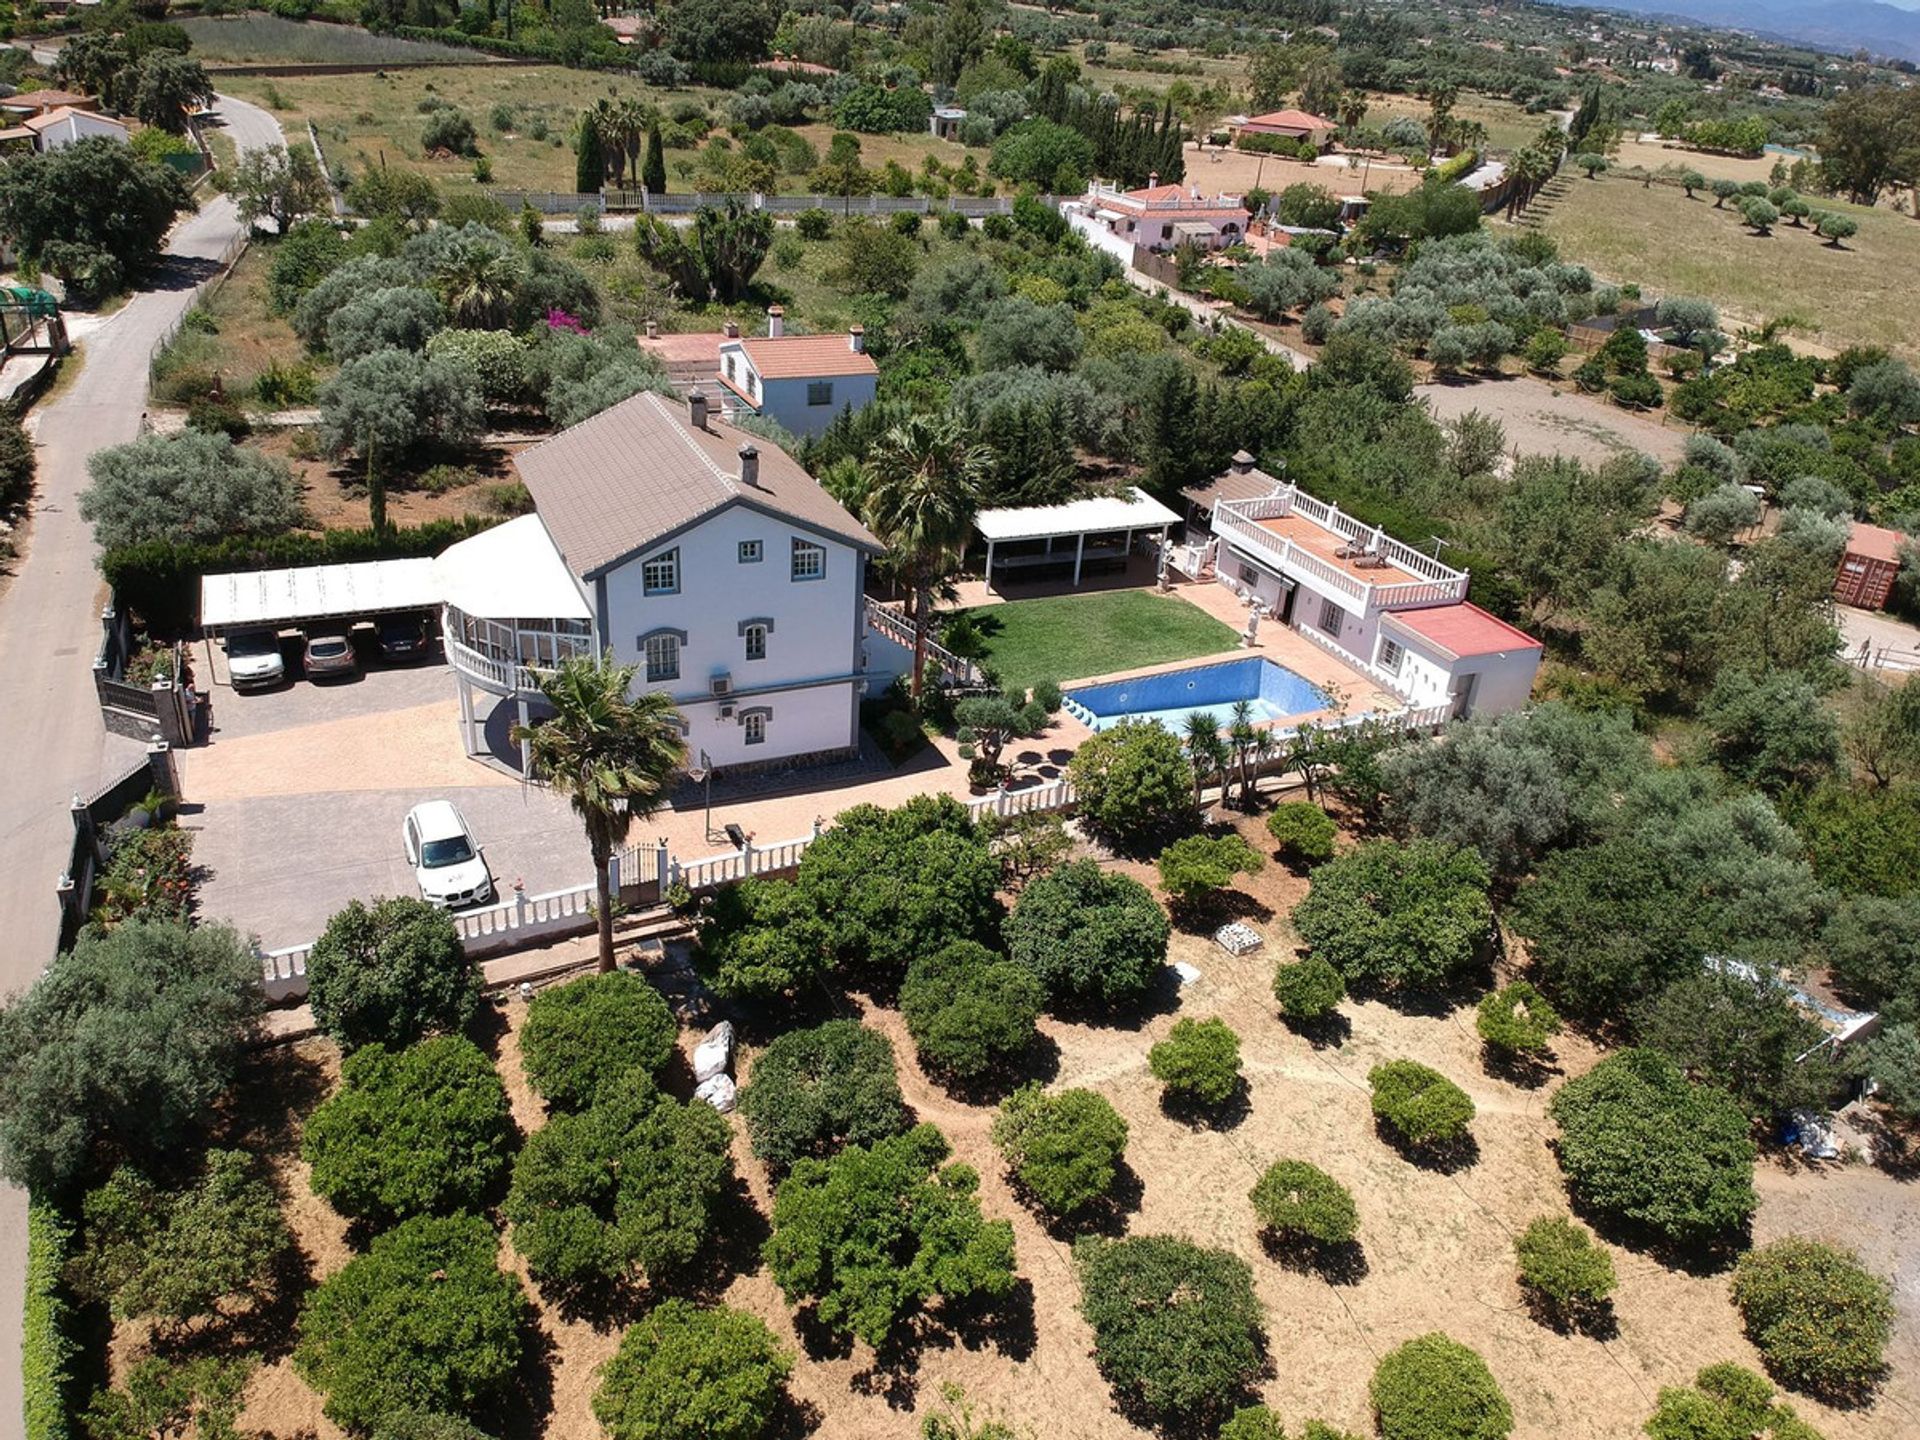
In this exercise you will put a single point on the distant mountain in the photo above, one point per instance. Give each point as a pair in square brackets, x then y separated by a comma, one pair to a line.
[1841, 26]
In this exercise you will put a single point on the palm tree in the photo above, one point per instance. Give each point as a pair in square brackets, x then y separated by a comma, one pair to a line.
[926, 479]
[1206, 751]
[476, 279]
[611, 753]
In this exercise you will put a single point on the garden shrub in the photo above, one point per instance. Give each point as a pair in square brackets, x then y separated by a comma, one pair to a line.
[1419, 1104]
[583, 1033]
[176, 1254]
[814, 223]
[876, 1232]
[409, 1132]
[1092, 936]
[148, 873]
[1726, 1402]
[450, 130]
[49, 1344]
[1434, 1388]
[813, 1091]
[970, 1011]
[1308, 990]
[1398, 917]
[1198, 1062]
[391, 973]
[170, 1395]
[1516, 1019]
[1302, 832]
[1196, 867]
[423, 1319]
[1254, 1422]
[1176, 1328]
[412, 1424]
[1133, 783]
[1562, 1266]
[1641, 1143]
[627, 1184]
[1064, 1149]
[1295, 1202]
[1820, 1320]
[688, 1373]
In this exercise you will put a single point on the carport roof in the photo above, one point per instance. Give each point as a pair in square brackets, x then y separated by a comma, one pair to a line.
[315, 592]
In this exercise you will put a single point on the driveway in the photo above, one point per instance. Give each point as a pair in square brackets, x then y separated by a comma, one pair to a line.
[49, 628]
[296, 801]
[1540, 420]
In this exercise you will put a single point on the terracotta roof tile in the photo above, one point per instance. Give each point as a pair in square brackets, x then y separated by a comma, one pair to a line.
[1291, 120]
[793, 357]
[613, 484]
[1464, 629]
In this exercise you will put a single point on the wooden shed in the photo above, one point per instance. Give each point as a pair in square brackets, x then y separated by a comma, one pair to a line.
[1867, 568]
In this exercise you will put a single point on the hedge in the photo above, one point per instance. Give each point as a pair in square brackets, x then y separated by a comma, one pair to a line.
[48, 1348]
[1452, 169]
[159, 580]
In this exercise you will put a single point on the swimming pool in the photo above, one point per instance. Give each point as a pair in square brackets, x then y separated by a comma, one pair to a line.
[1272, 690]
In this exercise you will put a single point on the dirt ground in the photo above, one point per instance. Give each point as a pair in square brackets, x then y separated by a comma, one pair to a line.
[1234, 172]
[334, 493]
[1635, 154]
[1438, 1247]
[1543, 420]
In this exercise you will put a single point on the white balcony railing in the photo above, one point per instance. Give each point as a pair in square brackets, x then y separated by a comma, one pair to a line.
[505, 677]
[1238, 520]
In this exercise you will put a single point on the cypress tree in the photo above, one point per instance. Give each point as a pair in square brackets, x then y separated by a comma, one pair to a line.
[653, 174]
[589, 160]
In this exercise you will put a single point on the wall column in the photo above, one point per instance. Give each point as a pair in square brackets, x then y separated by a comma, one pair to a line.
[526, 748]
[1079, 554]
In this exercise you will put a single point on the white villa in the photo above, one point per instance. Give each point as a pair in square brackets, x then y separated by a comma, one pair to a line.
[1400, 617]
[1157, 217]
[802, 381]
[666, 536]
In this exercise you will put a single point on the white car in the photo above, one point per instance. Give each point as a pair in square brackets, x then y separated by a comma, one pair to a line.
[254, 659]
[447, 864]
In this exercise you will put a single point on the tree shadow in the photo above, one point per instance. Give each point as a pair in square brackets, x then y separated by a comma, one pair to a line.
[1039, 1062]
[1695, 1255]
[1110, 1215]
[1528, 1072]
[1344, 1263]
[794, 1419]
[736, 1235]
[1896, 1147]
[1324, 1032]
[1219, 1116]
[1442, 1157]
[1594, 1319]
[602, 1304]
[523, 1411]
[1161, 997]
[269, 1101]
[1222, 907]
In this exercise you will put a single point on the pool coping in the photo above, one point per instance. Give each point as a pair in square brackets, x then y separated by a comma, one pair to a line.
[1239, 652]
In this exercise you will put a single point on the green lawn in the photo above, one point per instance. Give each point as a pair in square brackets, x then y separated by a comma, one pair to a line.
[1072, 637]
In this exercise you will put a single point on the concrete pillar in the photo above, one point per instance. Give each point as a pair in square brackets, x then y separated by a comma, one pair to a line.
[989, 575]
[526, 749]
[466, 717]
[1079, 553]
[165, 772]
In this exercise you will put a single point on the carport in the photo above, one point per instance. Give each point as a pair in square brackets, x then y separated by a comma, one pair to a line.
[302, 595]
[1101, 529]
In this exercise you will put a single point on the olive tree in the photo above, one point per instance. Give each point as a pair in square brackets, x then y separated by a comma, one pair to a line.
[1064, 1149]
[691, 1373]
[968, 1010]
[390, 973]
[193, 486]
[1300, 1203]
[1564, 1271]
[382, 405]
[1198, 1063]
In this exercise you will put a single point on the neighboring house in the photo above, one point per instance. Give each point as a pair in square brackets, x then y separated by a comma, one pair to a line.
[39, 102]
[1161, 217]
[801, 381]
[1868, 566]
[628, 28]
[56, 129]
[690, 360]
[1399, 616]
[1295, 125]
[944, 123]
[671, 539]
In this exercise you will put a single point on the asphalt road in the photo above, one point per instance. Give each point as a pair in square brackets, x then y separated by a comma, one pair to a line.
[49, 629]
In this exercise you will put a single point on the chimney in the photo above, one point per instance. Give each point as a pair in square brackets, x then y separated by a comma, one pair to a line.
[653, 329]
[776, 321]
[857, 339]
[750, 465]
[1153, 178]
[733, 329]
[1242, 463]
[697, 408]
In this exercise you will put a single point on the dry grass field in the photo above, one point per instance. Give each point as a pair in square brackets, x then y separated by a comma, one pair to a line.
[1509, 126]
[1635, 154]
[1437, 1247]
[1862, 294]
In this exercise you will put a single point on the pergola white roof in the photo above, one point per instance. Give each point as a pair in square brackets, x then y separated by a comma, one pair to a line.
[315, 592]
[1136, 510]
[511, 572]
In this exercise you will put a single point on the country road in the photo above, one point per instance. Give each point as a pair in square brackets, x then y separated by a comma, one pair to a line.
[49, 629]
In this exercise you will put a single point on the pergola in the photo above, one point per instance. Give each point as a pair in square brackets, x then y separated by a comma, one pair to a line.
[1110, 523]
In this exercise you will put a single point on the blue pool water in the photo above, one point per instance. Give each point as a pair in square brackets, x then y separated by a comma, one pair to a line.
[1271, 689]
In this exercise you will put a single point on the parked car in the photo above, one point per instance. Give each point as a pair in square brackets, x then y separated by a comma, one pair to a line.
[448, 866]
[405, 637]
[254, 660]
[330, 657]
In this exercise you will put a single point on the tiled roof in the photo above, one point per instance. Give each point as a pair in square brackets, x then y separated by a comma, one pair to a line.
[1291, 120]
[793, 357]
[44, 100]
[614, 484]
[1464, 629]
[688, 358]
[1255, 484]
[61, 114]
[1874, 542]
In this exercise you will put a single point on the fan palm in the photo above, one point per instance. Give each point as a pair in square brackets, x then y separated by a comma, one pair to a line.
[926, 479]
[1206, 750]
[476, 280]
[610, 752]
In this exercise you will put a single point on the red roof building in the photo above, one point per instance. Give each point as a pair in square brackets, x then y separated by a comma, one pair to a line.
[1868, 566]
[1465, 630]
[1162, 217]
[1289, 125]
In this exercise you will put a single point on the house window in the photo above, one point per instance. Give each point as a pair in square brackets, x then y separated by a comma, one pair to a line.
[1166, 232]
[1389, 655]
[663, 658]
[731, 373]
[755, 725]
[1248, 574]
[819, 392]
[661, 574]
[756, 637]
[809, 560]
[1331, 616]
[750, 552]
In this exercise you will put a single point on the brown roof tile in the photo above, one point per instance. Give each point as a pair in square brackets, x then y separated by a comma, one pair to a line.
[616, 483]
[792, 357]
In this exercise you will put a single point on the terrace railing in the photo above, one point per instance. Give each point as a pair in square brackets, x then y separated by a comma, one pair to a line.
[899, 629]
[506, 677]
[1439, 584]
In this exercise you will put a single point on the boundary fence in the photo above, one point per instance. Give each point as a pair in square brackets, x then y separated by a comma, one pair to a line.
[623, 202]
[74, 888]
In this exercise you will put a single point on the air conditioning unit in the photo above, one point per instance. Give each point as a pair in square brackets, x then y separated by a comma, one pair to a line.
[722, 685]
[726, 712]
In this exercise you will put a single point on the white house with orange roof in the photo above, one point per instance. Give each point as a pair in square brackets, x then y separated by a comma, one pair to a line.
[1295, 125]
[1399, 616]
[800, 381]
[63, 126]
[1158, 217]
